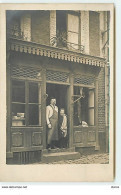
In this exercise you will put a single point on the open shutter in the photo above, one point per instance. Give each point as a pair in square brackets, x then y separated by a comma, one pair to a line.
[91, 120]
[73, 31]
[26, 26]
[53, 27]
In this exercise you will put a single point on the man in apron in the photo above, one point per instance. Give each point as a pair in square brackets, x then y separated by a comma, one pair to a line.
[52, 123]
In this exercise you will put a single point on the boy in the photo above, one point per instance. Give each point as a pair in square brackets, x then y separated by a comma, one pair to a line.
[63, 128]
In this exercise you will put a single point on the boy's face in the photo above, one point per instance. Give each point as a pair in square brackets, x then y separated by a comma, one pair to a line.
[62, 112]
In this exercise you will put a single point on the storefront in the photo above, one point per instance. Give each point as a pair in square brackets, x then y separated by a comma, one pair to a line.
[34, 74]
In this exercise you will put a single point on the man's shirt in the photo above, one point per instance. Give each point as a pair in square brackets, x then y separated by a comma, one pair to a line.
[49, 112]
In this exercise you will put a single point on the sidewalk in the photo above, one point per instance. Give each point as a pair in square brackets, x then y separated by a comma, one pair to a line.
[88, 159]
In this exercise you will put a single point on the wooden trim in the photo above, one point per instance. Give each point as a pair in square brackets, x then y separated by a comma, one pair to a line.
[82, 85]
[9, 154]
[35, 104]
[26, 79]
[85, 145]
[72, 12]
[70, 104]
[29, 128]
[24, 149]
[54, 52]
[26, 106]
[44, 107]
[56, 82]
[18, 103]
[81, 127]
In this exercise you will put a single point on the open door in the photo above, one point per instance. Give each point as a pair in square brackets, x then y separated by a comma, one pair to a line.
[60, 93]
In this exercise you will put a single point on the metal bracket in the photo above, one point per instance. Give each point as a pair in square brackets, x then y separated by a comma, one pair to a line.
[79, 97]
[46, 96]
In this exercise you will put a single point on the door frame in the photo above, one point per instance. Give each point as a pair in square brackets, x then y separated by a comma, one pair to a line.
[68, 109]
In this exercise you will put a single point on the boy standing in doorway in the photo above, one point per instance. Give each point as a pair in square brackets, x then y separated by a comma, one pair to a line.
[63, 128]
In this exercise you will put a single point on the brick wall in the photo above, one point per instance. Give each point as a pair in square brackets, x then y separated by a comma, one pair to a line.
[40, 27]
[101, 100]
[85, 30]
[94, 32]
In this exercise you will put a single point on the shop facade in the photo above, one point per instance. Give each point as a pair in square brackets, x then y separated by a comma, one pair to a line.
[35, 72]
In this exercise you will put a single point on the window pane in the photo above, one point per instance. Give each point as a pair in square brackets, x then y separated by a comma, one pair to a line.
[33, 93]
[18, 91]
[73, 23]
[73, 40]
[18, 114]
[91, 117]
[34, 115]
[91, 98]
[80, 105]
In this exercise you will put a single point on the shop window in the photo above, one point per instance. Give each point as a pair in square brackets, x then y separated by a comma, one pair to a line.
[34, 104]
[83, 106]
[18, 103]
[26, 103]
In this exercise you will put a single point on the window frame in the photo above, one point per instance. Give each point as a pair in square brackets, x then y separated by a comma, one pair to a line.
[94, 107]
[26, 103]
[79, 28]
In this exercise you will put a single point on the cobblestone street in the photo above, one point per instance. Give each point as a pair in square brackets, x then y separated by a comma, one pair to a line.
[88, 159]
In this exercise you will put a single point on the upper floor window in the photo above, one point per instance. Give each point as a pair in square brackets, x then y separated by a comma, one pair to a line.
[68, 29]
[73, 31]
[61, 28]
[19, 25]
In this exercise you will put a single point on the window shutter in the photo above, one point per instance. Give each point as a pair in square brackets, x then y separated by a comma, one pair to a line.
[73, 23]
[26, 27]
[73, 31]
[53, 27]
[91, 116]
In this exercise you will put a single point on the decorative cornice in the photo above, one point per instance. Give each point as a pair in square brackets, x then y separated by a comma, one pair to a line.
[54, 52]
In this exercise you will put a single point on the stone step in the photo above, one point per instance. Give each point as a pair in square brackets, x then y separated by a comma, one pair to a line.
[60, 156]
[61, 150]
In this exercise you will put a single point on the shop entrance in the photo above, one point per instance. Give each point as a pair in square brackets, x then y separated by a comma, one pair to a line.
[60, 92]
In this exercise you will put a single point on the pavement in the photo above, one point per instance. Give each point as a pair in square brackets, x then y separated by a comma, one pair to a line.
[88, 159]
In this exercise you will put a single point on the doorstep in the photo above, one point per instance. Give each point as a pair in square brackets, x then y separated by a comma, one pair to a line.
[59, 156]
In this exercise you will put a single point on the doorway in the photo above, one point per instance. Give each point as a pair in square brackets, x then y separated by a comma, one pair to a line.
[60, 93]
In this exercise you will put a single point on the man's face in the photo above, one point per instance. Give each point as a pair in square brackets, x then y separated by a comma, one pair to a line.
[53, 102]
[61, 112]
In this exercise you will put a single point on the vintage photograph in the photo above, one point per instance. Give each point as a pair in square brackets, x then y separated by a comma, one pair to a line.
[57, 86]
